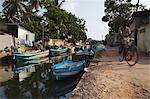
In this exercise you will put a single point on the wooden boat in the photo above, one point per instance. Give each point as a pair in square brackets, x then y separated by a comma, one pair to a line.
[26, 54]
[22, 63]
[22, 68]
[85, 52]
[61, 88]
[24, 71]
[59, 50]
[37, 55]
[67, 69]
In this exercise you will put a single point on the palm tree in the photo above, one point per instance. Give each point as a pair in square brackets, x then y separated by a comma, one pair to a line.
[58, 2]
[35, 4]
[13, 9]
[137, 5]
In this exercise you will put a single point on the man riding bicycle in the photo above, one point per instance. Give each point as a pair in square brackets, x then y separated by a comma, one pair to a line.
[124, 32]
[127, 50]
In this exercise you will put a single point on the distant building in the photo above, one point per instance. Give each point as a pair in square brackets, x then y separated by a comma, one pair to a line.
[57, 42]
[140, 25]
[8, 31]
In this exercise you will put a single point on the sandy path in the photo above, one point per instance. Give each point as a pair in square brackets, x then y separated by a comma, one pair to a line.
[110, 79]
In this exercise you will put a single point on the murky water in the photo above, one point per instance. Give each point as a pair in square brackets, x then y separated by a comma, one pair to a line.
[32, 80]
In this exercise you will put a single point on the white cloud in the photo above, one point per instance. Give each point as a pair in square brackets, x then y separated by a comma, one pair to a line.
[70, 5]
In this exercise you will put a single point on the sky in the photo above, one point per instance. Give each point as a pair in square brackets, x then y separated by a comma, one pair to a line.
[92, 12]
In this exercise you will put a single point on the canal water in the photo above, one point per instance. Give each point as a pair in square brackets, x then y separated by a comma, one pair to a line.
[32, 80]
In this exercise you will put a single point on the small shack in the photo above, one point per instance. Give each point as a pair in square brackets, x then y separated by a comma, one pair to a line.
[140, 25]
[11, 34]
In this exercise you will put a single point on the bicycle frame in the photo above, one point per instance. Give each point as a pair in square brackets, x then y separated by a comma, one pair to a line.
[127, 43]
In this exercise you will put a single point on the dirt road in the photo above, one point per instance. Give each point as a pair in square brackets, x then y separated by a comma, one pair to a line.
[110, 79]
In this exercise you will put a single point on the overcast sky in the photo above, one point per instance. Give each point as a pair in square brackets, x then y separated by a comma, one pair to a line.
[92, 11]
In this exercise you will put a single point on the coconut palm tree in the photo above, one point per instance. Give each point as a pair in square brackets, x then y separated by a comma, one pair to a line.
[58, 2]
[35, 4]
[13, 9]
[137, 5]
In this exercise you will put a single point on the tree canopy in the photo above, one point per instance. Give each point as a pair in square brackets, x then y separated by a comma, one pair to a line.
[60, 22]
[118, 10]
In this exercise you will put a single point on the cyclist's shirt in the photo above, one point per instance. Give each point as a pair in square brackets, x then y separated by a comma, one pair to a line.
[125, 31]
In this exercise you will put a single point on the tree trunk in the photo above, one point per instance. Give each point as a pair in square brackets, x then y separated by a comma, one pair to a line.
[137, 5]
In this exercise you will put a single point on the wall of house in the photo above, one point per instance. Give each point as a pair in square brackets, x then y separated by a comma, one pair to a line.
[6, 40]
[22, 35]
[132, 26]
[144, 38]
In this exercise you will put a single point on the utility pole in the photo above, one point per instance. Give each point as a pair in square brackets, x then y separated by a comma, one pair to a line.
[136, 28]
[43, 23]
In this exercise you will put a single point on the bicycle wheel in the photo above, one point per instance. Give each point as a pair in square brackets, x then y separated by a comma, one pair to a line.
[121, 53]
[132, 55]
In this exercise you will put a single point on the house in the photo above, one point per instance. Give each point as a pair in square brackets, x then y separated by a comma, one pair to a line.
[140, 25]
[12, 33]
[6, 40]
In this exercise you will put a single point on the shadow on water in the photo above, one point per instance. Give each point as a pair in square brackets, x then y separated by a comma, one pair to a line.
[37, 81]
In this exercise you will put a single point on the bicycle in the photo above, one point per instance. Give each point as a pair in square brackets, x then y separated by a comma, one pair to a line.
[128, 51]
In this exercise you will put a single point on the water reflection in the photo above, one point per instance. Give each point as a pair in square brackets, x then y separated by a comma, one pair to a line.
[34, 80]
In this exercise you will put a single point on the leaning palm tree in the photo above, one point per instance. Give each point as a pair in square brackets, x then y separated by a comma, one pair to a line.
[35, 4]
[13, 9]
[58, 2]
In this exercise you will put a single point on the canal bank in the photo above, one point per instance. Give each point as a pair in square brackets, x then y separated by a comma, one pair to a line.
[5, 64]
[110, 79]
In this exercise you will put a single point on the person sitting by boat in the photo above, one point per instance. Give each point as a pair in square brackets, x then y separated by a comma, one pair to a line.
[70, 52]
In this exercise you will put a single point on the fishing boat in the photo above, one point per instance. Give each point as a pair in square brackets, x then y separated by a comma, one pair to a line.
[22, 68]
[22, 63]
[26, 57]
[61, 88]
[67, 69]
[26, 54]
[24, 72]
[59, 50]
[85, 52]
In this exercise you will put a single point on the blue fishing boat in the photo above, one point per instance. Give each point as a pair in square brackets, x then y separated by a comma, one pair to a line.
[26, 54]
[59, 50]
[22, 63]
[22, 68]
[26, 57]
[67, 69]
[24, 71]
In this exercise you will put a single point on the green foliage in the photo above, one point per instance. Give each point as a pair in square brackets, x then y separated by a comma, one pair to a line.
[118, 10]
[26, 11]
[12, 9]
[66, 22]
